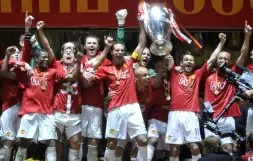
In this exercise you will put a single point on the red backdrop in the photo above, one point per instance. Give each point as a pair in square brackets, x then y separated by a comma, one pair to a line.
[101, 13]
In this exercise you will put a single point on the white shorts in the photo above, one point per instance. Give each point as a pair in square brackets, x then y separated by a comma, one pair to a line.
[68, 123]
[223, 122]
[37, 127]
[249, 125]
[157, 129]
[123, 120]
[91, 118]
[10, 122]
[182, 128]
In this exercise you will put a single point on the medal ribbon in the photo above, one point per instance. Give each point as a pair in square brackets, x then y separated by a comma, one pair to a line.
[117, 74]
[189, 80]
[41, 76]
[216, 82]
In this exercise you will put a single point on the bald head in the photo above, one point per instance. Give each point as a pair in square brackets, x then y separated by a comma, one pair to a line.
[223, 57]
[142, 76]
[140, 71]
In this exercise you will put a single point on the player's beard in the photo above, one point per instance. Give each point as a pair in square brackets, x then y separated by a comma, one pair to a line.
[43, 65]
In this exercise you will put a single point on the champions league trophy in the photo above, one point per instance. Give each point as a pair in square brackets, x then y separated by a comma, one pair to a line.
[157, 26]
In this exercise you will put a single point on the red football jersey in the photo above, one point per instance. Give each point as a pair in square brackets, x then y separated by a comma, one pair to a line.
[68, 98]
[185, 89]
[160, 102]
[122, 81]
[36, 100]
[218, 92]
[11, 90]
[94, 95]
[248, 157]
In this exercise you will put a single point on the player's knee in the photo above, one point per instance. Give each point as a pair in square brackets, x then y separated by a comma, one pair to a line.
[75, 142]
[142, 140]
[152, 141]
[7, 147]
[174, 150]
[194, 149]
[93, 142]
[119, 151]
[51, 143]
[112, 143]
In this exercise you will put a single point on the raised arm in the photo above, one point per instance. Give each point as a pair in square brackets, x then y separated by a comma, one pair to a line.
[218, 49]
[27, 48]
[142, 39]
[44, 41]
[241, 61]
[100, 58]
[5, 71]
[121, 16]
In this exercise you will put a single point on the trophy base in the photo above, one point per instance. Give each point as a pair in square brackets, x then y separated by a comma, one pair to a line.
[161, 47]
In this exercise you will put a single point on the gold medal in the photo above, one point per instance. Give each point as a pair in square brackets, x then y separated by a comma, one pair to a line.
[42, 79]
[117, 74]
[168, 98]
[43, 88]
[216, 92]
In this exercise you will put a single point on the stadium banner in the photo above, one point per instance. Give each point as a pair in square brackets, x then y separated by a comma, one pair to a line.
[200, 14]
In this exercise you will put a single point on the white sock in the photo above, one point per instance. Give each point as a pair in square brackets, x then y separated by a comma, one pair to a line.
[196, 158]
[142, 153]
[73, 155]
[109, 155]
[174, 158]
[51, 154]
[150, 152]
[81, 151]
[21, 154]
[92, 153]
[7, 153]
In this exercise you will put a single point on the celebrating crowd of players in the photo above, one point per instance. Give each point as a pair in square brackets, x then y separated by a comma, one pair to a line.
[51, 100]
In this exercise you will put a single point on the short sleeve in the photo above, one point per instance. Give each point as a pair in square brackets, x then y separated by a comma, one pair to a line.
[100, 73]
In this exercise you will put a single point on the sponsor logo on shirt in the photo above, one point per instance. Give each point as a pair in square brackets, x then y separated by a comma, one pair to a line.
[125, 74]
[217, 85]
[36, 81]
[187, 82]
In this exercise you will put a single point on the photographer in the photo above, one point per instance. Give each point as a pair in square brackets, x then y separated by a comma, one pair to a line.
[212, 150]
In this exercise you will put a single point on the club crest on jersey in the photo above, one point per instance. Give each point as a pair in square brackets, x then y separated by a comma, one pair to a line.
[35, 81]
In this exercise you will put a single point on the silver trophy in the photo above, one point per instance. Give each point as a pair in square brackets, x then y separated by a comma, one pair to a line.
[157, 26]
